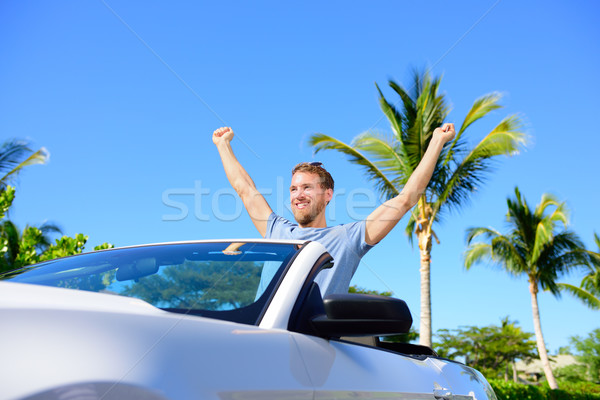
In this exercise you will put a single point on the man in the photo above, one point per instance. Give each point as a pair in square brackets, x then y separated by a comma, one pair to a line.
[310, 192]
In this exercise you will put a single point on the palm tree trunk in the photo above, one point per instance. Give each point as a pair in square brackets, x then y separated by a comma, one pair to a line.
[537, 326]
[424, 234]
[425, 270]
[425, 325]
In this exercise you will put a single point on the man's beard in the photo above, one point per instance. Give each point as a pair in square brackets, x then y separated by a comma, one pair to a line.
[306, 218]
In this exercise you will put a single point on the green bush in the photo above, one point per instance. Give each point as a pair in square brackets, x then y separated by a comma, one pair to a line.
[581, 387]
[515, 391]
[568, 391]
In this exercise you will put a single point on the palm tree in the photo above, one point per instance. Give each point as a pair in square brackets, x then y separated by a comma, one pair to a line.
[589, 289]
[534, 247]
[390, 160]
[14, 156]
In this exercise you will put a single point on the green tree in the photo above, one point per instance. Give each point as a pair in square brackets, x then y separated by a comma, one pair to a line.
[535, 247]
[6, 198]
[23, 248]
[357, 289]
[589, 288]
[588, 353]
[564, 350]
[68, 246]
[461, 169]
[571, 373]
[14, 156]
[33, 245]
[65, 246]
[491, 349]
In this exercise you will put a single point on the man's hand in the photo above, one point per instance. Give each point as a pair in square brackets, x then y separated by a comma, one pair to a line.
[445, 133]
[221, 135]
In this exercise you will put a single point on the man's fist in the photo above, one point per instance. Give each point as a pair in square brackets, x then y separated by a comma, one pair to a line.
[224, 134]
[445, 132]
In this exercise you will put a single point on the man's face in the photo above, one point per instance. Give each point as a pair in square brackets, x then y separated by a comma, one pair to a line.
[308, 198]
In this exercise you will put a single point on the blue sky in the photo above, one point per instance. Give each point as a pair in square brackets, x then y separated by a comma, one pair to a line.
[125, 96]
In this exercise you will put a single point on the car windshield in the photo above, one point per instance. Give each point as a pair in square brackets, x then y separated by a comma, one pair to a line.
[226, 280]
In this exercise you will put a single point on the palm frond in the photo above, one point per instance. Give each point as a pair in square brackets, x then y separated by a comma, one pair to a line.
[562, 254]
[560, 213]
[543, 236]
[506, 138]
[409, 230]
[480, 108]
[383, 183]
[430, 112]
[388, 155]
[548, 200]
[502, 250]
[583, 295]
[394, 117]
[410, 110]
[11, 151]
[477, 253]
[508, 253]
[50, 227]
[487, 233]
[546, 224]
[437, 109]
[524, 223]
[591, 281]
[455, 187]
[595, 258]
[10, 156]
[472, 171]
[46, 229]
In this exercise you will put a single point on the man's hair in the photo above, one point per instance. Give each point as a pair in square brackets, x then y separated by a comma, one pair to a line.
[326, 180]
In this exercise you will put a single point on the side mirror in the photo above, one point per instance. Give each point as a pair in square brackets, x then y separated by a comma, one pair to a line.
[362, 315]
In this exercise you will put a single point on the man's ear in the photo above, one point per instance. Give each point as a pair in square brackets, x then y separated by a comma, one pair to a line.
[328, 195]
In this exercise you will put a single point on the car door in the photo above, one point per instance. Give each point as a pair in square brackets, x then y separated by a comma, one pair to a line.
[341, 370]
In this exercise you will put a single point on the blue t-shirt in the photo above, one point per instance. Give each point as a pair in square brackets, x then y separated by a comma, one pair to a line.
[346, 244]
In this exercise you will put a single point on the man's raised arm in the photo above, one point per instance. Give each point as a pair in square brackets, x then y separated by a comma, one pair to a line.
[256, 205]
[381, 221]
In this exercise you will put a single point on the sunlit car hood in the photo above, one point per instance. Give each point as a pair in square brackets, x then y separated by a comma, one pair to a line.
[26, 296]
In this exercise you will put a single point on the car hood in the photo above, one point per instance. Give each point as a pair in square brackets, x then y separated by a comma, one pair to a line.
[27, 296]
[55, 338]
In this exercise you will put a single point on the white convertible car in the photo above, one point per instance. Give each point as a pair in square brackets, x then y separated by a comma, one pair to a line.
[209, 320]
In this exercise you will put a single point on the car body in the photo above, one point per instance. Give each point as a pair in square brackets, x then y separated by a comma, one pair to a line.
[239, 319]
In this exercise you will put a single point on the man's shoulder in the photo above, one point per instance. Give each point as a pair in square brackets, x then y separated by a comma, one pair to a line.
[279, 227]
[278, 219]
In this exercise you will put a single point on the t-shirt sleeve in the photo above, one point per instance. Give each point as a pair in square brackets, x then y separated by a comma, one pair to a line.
[356, 237]
[278, 227]
[270, 225]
